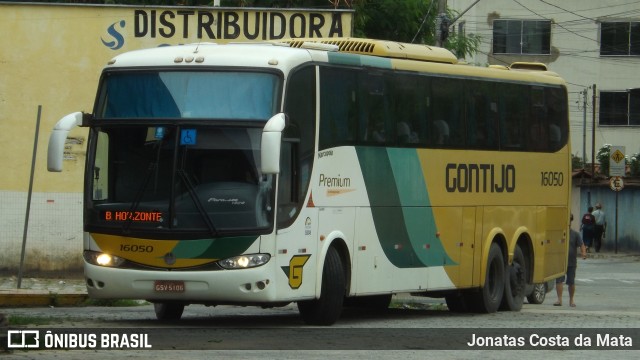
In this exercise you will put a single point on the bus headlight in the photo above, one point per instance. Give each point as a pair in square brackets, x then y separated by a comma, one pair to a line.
[103, 259]
[245, 261]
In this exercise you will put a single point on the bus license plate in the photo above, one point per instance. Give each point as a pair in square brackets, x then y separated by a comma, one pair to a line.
[168, 286]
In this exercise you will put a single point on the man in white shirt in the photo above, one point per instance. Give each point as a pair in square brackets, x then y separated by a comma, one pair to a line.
[601, 226]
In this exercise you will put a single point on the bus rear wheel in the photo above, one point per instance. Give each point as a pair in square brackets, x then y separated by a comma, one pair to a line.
[458, 302]
[488, 299]
[168, 311]
[515, 282]
[327, 309]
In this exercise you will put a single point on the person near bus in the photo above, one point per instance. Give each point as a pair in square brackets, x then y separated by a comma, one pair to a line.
[588, 227]
[601, 227]
[575, 242]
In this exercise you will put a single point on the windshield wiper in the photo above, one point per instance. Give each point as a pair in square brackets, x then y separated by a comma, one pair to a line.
[138, 198]
[198, 204]
[153, 166]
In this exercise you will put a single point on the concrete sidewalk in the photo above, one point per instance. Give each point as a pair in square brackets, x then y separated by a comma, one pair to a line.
[71, 291]
[42, 291]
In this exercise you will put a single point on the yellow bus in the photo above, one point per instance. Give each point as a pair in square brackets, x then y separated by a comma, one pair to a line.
[326, 172]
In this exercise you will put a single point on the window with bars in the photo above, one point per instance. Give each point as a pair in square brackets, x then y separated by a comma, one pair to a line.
[525, 37]
[620, 39]
[620, 107]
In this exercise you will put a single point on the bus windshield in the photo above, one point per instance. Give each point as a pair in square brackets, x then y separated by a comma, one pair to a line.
[159, 180]
[232, 95]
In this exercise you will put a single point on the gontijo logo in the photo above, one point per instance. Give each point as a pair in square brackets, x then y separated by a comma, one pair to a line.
[118, 39]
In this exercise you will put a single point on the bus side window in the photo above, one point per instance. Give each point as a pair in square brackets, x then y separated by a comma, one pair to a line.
[447, 104]
[513, 115]
[338, 110]
[440, 132]
[287, 184]
[557, 108]
[538, 135]
[481, 115]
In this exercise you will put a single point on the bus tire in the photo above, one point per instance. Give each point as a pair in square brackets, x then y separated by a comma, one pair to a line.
[489, 298]
[515, 282]
[327, 309]
[457, 302]
[168, 311]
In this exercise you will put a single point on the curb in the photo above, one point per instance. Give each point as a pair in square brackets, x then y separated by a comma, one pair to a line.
[609, 255]
[39, 298]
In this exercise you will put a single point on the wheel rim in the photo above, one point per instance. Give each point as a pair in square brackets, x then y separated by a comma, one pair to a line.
[539, 291]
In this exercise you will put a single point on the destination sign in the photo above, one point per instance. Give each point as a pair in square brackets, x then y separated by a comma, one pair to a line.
[141, 216]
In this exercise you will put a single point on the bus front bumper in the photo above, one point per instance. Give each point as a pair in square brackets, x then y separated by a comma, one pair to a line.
[251, 286]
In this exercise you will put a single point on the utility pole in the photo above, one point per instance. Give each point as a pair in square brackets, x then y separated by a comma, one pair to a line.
[584, 128]
[593, 137]
[441, 23]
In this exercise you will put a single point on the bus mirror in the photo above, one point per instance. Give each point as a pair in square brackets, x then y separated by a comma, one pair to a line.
[57, 139]
[270, 146]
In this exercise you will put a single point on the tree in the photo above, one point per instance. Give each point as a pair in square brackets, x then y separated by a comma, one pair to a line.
[603, 158]
[412, 21]
[634, 165]
[396, 20]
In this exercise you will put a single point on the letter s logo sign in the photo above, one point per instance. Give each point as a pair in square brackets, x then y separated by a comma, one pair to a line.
[118, 39]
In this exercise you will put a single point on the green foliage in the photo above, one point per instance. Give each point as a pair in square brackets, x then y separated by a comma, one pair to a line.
[603, 159]
[576, 162]
[634, 164]
[22, 320]
[114, 302]
[463, 46]
[395, 20]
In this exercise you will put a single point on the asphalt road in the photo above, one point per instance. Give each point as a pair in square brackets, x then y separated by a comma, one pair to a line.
[607, 303]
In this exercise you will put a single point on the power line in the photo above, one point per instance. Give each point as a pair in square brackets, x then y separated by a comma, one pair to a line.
[582, 36]
[565, 10]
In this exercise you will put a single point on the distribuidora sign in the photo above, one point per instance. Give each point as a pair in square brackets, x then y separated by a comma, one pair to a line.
[233, 25]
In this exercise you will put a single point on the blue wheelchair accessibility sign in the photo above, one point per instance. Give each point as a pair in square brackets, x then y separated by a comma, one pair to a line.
[188, 136]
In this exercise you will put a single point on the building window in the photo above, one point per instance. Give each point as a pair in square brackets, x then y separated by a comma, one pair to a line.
[620, 39]
[620, 107]
[526, 37]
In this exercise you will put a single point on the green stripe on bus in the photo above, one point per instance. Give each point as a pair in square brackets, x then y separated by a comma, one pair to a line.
[401, 208]
[219, 248]
[358, 60]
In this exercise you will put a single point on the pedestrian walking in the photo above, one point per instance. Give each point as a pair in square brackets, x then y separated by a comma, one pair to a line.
[588, 227]
[575, 242]
[601, 227]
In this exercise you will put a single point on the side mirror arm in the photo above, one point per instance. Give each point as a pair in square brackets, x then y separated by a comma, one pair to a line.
[58, 137]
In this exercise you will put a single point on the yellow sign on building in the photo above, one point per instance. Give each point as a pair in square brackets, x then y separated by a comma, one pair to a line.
[617, 163]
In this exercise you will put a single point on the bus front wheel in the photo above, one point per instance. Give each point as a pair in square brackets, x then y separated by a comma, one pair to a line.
[327, 309]
[488, 299]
